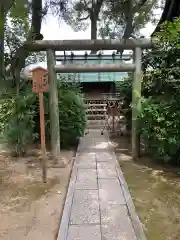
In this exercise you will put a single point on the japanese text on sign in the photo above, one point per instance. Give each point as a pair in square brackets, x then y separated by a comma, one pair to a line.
[41, 84]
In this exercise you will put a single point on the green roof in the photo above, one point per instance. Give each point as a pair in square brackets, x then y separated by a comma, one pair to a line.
[94, 59]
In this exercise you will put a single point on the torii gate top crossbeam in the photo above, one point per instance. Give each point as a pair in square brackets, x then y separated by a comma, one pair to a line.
[84, 45]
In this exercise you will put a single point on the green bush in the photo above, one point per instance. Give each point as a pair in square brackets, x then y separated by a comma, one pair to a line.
[125, 90]
[160, 116]
[17, 121]
[159, 127]
[71, 114]
[19, 117]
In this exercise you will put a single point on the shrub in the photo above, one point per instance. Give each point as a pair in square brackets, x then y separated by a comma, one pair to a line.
[18, 123]
[20, 117]
[125, 90]
[71, 114]
[159, 127]
[160, 116]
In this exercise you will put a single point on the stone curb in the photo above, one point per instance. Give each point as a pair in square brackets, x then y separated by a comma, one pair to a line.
[137, 225]
[64, 221]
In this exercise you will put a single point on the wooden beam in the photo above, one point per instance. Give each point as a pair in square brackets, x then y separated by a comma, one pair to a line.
[53, 107]
[77, 68]
[84, 45]
[136, 103]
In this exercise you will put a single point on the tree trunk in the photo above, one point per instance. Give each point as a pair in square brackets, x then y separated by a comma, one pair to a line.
[93, 30]
[5, 5]
[129, 23]
[94, 14]
[129, 20]
[2, 23]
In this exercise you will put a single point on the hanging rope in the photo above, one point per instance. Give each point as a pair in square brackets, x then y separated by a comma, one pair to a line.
[64, 60]
[113, 58]
[72, 57]
[71, 60]
[85, 58]
[99, 57]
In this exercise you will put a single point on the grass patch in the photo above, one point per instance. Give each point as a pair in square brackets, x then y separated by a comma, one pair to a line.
[157, 202]
[156, 194]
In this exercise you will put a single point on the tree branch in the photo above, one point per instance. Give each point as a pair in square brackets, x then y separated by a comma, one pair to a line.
[139, 5]
[4, 8]
[7, 5]
[129, 22]
[85, 3]
[18, 62]
[129, 18]
[20, 56]
[98, 6]
[86, 8]
[84, 18]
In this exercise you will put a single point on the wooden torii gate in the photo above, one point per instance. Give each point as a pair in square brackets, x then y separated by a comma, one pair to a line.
[137, 45]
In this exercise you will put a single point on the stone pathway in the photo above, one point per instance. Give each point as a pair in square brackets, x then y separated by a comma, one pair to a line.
[98, 204]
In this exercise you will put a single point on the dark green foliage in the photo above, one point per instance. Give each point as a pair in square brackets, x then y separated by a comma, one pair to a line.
[17, 120]
[19, 117]
[125, 88]
[71, 114]
[159, 127]
[160, 116]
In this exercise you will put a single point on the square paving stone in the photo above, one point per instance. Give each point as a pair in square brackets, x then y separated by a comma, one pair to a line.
[105, 157]
[86, 179]
[113, 213]
[106, 170]
[86, 162]
[121, 231]
[85, 195]
[116, 223]
[100, 146]
[91, 155]
[110, 191]
[85, 207]
[85, 232]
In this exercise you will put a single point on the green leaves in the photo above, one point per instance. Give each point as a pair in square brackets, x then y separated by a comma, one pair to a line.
[71, 115]
[160, 108]
[19, 117]
[159, 127]
[20, 9]
[17, 26]
[170, 34]
[18, 120]
[115, 17]
[17, 31]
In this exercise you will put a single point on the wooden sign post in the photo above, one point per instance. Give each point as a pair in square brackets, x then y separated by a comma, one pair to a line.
[41, 85]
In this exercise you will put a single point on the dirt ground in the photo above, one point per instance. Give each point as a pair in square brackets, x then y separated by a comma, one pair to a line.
[155, 190]
[30, 209]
